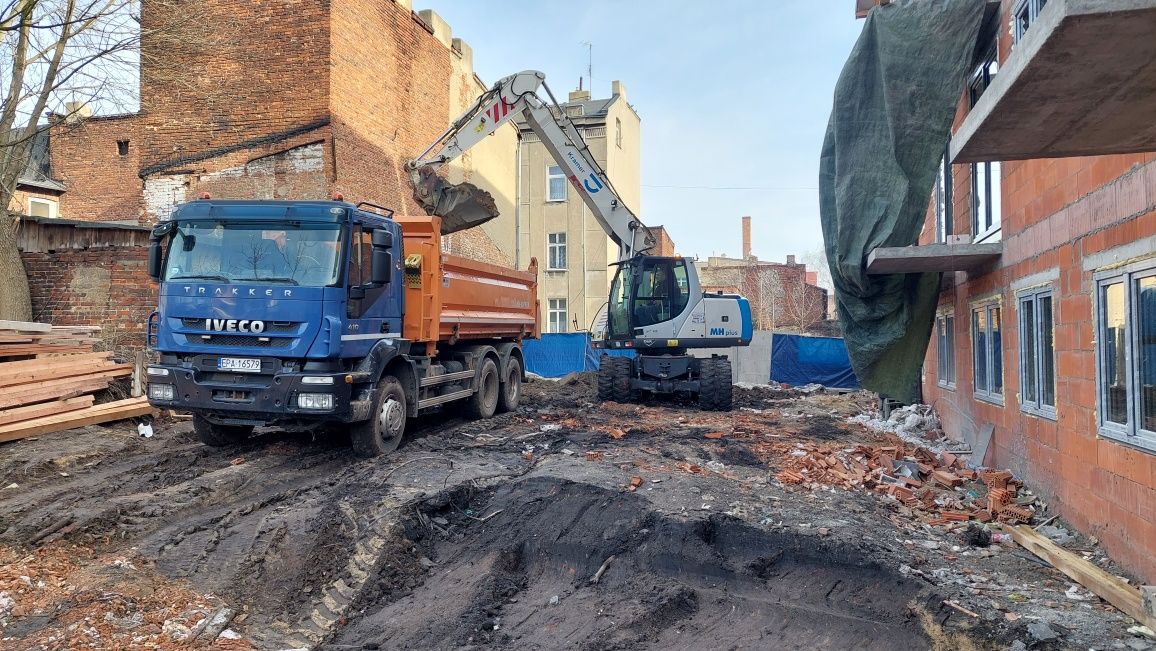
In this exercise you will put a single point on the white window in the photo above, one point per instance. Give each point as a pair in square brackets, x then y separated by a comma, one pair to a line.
[555, 184]
[1025, 14]
[1126, 354]
[38, 207]
[1037, 353]
[945, 335]
[556, 319]
[987, 349]
[618, 132]
[986, 202]
[557, 252]
[943, 205]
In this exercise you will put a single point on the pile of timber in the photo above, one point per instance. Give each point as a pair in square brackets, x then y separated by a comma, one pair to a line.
[48, 375]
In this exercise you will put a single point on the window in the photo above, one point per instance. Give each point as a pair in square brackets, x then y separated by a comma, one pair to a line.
[987, 352]
[361, 257]
[945, 335]
[556, 319]
[38, 207]
[1025, 14]
[986, 201]
[1037, 353]
[122, 147]
[555, 184]
[1126, 354]
[984, 74]
[943, 211]
[618, 132]
[557, 252]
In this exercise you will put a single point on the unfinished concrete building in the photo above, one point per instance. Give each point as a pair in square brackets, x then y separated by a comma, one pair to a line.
[1044, 224]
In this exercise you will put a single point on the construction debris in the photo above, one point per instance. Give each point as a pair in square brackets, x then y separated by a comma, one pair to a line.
[48, 378]
[940, 486]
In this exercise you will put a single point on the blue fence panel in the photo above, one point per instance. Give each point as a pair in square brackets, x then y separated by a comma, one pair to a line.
[797, 361]
[559, 354]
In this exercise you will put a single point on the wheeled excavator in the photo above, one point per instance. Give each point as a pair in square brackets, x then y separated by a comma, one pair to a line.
[656, 306]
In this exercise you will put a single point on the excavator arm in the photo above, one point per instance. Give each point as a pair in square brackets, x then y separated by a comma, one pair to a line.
[464, 206]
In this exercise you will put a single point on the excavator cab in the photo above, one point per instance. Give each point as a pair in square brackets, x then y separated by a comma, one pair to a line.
[647, 291]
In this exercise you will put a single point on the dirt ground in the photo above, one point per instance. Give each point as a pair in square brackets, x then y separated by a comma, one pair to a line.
[566, 524]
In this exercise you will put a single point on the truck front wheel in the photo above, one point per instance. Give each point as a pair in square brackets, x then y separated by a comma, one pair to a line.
[484, 403]
[382, 433]
[219, 436]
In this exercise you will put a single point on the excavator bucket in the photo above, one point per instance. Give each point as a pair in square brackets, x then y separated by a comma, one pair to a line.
[461, 206]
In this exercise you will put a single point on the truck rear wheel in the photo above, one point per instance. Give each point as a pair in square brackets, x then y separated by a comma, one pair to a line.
[382, 433]
[715, 391]
[484, 402]
[511, 390]
[219, 436]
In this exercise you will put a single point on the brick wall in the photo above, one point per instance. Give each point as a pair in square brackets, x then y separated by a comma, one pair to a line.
[100, 183]
[108, 287]
[780, 297]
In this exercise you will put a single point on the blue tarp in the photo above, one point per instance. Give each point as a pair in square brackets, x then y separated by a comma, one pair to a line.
[797, 361]
[559, 354]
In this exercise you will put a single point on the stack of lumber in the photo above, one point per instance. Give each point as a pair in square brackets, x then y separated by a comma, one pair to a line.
[48, 376]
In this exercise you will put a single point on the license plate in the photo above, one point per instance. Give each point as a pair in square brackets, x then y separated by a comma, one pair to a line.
[239, 364]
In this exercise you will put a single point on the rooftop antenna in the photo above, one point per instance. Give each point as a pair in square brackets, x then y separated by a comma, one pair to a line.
[589, 63]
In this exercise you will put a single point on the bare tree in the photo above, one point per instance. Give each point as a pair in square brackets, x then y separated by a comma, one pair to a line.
[60, 56]
[804, 305]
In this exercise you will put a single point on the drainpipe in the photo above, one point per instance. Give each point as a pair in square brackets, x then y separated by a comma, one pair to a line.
[518, 201]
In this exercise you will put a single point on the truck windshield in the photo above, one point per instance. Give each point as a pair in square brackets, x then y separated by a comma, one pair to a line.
[292, 253]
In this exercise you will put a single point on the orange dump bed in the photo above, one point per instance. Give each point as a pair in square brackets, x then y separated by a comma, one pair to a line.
[450, 299]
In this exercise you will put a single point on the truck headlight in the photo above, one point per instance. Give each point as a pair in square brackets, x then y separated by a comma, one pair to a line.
[315, 400]
[156, 370]
[161, 392]
[317, 379]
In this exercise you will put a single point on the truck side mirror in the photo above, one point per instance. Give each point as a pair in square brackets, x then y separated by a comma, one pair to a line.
[382, 266]
[155, 254]
[382, 239]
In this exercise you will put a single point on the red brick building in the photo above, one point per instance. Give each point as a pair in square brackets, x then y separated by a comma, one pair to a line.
[1044, 222]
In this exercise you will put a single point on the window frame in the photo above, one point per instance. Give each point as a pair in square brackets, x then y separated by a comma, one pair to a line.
[618, 132]
[550, 177]
[551, 311]
[1131, 433]
[553, 246]
[992, 192]
[1032, 8]
[1035, 296]
[53, 207]
[945, 349]
[944, 210]
[987, 394]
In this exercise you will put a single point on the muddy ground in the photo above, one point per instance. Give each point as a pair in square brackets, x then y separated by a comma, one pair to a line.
[564, 525]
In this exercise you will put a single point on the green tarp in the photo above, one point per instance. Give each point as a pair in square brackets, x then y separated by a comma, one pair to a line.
[893, 109]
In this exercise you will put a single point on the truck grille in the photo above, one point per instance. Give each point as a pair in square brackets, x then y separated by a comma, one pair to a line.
[241, 340]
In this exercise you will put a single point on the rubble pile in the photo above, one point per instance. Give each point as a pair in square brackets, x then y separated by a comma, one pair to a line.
[938, 485]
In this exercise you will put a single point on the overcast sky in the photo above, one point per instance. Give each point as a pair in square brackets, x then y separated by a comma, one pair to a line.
[732, 94]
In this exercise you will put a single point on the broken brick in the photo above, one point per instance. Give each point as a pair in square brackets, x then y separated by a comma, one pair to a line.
[946, 478]
[713, 435]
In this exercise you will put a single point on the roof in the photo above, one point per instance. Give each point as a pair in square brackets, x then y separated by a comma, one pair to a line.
[38, 168]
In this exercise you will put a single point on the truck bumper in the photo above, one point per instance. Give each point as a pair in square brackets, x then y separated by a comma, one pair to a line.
[232, 398]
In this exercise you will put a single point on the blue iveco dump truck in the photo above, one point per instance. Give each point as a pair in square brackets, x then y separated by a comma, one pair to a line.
[327, 316]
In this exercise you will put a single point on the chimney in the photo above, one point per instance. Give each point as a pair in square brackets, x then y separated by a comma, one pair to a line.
[746, 237]
[790, 259]
[76, 111]
[579, 95]
[812, 277]
[618, 89]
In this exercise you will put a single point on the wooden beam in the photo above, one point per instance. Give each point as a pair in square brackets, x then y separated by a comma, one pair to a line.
[61, 390]
[108, 412]
[44, 362]
[1114, 590]
[25, 326]
[17, 414]
[65, 371]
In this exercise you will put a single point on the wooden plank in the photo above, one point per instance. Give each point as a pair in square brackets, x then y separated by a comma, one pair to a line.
[62, 372]
[44, 362]
[25, 326]
[1112, 589]
[92, 416]
[61, 390]
[18, 414]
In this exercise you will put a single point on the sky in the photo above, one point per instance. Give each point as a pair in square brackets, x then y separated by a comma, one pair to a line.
[732, 94]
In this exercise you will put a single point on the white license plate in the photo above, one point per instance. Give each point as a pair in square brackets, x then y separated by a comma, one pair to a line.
[239, 364]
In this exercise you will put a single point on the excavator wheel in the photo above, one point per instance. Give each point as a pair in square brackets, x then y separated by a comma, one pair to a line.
[614, 379]
[606, 369]
[715, 390]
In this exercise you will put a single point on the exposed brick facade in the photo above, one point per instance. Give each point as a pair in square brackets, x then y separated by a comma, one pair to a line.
[106, 286]
[100, 183]
[780, 295]
[1062, 220]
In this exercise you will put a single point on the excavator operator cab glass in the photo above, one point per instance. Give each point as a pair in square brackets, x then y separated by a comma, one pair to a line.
[646, 291]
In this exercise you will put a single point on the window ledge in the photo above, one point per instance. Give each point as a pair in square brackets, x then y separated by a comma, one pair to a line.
[1145, 443]
[556, 269]
[1047, 414]
[950, 386]
[991, 399]
[555, 201]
